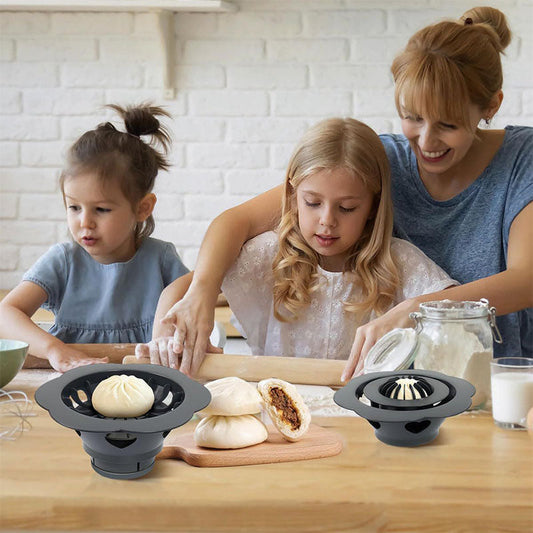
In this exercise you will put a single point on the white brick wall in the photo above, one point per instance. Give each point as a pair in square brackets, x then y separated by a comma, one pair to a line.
[249, 84]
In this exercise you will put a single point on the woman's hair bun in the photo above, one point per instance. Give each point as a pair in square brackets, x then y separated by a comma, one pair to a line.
[492, 17]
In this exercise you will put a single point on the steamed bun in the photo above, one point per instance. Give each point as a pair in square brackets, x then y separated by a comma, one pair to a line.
[232, 396]
[229, 432]
[286, 408]
[122, 396]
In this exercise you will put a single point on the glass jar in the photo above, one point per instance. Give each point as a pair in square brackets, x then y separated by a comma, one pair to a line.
[451, 337]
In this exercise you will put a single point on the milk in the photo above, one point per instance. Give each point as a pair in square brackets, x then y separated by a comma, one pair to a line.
[512, 396]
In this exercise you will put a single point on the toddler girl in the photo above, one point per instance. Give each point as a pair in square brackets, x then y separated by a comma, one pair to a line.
[102, 287]
[332, 264]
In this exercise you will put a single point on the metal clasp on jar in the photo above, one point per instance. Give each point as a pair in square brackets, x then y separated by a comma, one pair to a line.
[496, 335]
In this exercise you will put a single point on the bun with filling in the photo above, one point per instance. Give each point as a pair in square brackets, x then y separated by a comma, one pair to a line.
[286, 408]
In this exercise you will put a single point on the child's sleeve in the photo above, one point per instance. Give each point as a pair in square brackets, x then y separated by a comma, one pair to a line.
[248, 288]
[418, 273]
[173, 267]
[50, 272]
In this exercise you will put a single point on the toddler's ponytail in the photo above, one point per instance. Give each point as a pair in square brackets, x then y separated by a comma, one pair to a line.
[125, 156]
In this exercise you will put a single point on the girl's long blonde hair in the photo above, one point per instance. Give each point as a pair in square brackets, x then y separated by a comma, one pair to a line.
[352, 145]
[451, 64]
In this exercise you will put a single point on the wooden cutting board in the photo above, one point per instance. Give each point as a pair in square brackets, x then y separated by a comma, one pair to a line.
[318, 442]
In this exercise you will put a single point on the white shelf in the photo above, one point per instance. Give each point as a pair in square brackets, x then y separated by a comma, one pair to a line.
[117, 5]
[165, 10]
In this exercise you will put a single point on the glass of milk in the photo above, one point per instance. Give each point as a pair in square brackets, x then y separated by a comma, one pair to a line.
[512, 391]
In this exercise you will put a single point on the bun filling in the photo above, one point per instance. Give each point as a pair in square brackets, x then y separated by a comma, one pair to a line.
[285, 406]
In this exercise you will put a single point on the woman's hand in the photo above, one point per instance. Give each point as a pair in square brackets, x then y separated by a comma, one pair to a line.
[368, 334]
[63, 358]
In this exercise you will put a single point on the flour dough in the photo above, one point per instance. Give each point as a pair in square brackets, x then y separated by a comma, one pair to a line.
[122, 396]
[232, 397]
[229, 432]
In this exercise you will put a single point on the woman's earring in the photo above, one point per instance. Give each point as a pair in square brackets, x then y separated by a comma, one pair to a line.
[487, 120]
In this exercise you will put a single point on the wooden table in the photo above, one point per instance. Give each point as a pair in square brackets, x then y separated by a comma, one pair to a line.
[473, 477]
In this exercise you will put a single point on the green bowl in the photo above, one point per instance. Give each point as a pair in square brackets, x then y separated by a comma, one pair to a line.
[12, 356]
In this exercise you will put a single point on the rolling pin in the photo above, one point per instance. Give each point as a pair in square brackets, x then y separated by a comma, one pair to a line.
[257, 367]
[115, 352]
[249, 367]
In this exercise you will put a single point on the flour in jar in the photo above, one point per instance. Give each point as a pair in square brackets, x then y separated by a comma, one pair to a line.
[458, 352]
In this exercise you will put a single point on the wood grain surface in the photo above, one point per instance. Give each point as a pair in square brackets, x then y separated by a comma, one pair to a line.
[257, 367]
[475, 477]
[251, 368]
[318, 442]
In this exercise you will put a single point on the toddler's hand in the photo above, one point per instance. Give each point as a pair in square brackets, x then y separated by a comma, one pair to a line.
[65, 358]
[368, 334]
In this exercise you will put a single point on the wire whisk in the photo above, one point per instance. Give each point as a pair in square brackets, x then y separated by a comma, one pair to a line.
[15, 409]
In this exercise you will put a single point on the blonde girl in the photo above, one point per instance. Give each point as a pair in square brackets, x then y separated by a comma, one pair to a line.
[461, 193]
[332, 263]
[104, 285]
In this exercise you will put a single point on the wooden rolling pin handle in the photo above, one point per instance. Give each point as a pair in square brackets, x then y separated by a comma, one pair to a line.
[257, 367]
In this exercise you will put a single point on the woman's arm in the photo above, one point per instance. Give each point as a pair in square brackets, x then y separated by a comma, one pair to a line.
[15, 323]
[220, 248]
[508, 291]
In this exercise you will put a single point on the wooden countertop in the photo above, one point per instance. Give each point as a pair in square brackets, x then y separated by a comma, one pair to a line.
[473, 477]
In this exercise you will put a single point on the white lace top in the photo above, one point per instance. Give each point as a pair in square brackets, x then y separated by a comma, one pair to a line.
[324, 329]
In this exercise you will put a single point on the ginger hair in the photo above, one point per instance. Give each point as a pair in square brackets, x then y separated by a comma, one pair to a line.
[451, 64]
[330, 144]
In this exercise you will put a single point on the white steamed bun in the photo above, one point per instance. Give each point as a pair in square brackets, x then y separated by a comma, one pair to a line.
[229, 432]
[286, 407]
[232, 396]
[123, 396]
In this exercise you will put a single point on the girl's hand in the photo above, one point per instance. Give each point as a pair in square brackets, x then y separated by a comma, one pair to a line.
[162, 351]
[63, 358]
[367, 335]
[192, 318]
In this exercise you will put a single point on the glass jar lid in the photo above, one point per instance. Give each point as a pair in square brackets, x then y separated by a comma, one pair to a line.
[394, 351]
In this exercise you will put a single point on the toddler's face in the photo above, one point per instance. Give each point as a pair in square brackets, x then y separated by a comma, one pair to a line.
[333, 208]
[100, 219]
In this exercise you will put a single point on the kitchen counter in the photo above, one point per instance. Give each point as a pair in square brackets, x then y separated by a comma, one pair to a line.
[473, 477]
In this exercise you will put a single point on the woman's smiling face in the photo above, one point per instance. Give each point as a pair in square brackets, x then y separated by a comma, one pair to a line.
[439, 146]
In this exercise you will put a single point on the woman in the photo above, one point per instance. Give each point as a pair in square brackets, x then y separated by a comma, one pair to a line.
[461, 194]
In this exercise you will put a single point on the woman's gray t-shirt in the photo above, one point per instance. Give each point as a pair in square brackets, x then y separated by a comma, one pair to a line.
[468, 235]
[97, 303]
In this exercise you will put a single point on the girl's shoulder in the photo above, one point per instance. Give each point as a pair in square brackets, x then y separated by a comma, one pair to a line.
[267, 241]
[402, 247]
[405, 253]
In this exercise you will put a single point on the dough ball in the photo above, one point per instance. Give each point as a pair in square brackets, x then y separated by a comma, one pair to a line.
[232, 397]
[286, 408]
[122, 396]
[229, 432]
